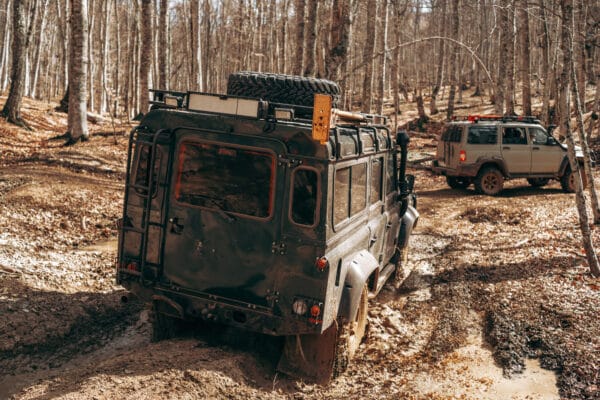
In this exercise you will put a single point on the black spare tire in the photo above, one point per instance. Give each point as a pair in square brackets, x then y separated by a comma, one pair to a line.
[280, 88]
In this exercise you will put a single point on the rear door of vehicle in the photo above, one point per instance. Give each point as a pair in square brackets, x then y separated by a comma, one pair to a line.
[449, 146]
[223, 217]
[516, 149]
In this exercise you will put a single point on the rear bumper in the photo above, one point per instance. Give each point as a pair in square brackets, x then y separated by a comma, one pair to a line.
[469, 170]
[202, 306]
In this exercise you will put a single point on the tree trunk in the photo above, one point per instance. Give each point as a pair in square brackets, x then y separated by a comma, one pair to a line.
[340, 39]
[455, 22]
[508, 56]
[382, 44]
[546, 72]
[78, 59]
[567, 47]
[310, 45]
[583, 141]
[524, 45]
[298, 66]
[440, 65]
[163, 31]
[368, 50]
[145, 54]
[4, 53]
[12, 107]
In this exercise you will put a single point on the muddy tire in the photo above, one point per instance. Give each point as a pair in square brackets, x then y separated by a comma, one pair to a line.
[538, 182]
[350, 335]
[489, 181]
[163, 326]
[457, 182]
[279, 88]
[567, 181]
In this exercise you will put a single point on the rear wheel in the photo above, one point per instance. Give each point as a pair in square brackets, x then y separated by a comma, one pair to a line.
[538, 182]
[350, 335]
[457, 182]
[163, 326]
[489, 181]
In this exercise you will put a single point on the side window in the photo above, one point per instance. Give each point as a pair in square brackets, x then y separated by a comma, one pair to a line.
[482, 135]
[538, 136]
[304, 196]
[358, 188]
[349, 192]
[453, 133]
[514, 135]
[376, 179]
[390, 179]
[341, 195]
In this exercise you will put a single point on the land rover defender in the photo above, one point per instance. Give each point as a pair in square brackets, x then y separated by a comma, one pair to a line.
[277, 218]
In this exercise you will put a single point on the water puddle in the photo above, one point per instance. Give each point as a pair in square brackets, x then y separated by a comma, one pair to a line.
[471, 372]
[107, 246]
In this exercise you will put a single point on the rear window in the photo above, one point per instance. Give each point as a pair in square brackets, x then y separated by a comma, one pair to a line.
[224, 178]
[304, 196]
[453, 133]
[482, 135]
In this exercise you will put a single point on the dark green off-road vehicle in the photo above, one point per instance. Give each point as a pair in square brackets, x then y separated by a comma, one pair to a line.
[265, 211]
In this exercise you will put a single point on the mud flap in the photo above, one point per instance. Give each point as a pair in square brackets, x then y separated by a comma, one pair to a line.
[310, 357]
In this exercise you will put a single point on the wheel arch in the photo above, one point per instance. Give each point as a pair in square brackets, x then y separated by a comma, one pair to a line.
[499, 165]
[358, 271]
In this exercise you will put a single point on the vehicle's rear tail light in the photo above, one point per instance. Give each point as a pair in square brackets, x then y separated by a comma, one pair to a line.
[321, 263]
[315, 314]
[462, 157]
[130, 266]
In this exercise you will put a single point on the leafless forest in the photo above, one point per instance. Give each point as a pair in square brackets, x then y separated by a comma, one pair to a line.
[426, 51]
[503, 300]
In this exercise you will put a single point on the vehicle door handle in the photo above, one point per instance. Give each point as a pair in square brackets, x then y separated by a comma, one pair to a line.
[372, 240]
[505, 148]
[535, 148]
[176, 225]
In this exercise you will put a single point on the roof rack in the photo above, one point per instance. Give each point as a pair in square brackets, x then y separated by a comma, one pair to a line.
[253, 108]
[502, 118]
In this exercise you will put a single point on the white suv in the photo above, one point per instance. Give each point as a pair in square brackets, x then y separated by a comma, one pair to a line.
[486, 150]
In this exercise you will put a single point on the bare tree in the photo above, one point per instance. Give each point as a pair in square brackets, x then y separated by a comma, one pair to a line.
[567, 48]
[298, 66]
[78, 59]
[310, 44]
[368, 51]
[145, 54]
[12, 107]
[525, 70]
[340, 38]
[441, 57]
[508, 57]
[163, 31]
[454, 69]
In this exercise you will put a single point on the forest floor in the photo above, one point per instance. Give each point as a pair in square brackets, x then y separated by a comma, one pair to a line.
[501, 304]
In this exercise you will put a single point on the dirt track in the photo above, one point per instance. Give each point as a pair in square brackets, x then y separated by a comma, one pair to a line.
[500, 286]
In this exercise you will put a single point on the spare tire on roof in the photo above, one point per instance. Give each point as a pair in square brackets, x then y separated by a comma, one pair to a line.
[280, 88]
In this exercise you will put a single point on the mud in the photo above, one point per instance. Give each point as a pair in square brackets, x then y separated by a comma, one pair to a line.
[500, 303]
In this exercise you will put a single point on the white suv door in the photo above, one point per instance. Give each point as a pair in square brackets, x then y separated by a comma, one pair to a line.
[516, 149]
[545, 158]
